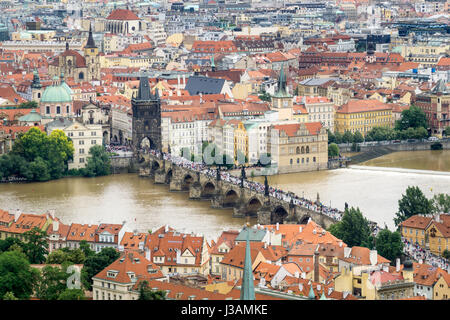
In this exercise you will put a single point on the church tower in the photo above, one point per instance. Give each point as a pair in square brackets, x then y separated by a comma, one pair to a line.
[282, 100]
[36, 87]
[92, 58]
[146, 117]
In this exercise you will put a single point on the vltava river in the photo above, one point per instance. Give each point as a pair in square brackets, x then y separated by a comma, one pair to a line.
[144, 206]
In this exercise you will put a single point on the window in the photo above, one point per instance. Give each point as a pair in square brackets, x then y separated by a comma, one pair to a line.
[93, 141]
[58, 110]
[81, 142]
[81, 160]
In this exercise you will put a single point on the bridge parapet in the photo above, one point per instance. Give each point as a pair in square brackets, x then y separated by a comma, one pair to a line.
[226, 194]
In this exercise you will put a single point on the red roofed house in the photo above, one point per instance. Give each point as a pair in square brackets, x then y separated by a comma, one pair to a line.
[299, 147]
[178, 253]
[115, 281]
[108, 236]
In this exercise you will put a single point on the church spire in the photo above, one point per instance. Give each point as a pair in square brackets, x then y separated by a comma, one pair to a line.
[282, 90]
[247, 288]
[90, 42]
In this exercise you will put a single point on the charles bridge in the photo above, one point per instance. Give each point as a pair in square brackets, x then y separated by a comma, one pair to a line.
[224, 194]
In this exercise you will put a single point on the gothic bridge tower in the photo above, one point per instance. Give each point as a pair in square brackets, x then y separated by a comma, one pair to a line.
[146, 123]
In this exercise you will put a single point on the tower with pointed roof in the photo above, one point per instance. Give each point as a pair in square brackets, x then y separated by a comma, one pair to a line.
[248, 287]
[282, 101]
[146, 117]
[92, 57]
[36, 87]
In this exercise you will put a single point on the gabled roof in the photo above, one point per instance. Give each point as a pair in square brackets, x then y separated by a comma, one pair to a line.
[204, 85]
[130, 262]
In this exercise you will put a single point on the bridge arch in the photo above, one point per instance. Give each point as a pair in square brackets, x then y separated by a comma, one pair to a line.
[278, 215]
[188, 180]
[155, 165]
[168, 177]
[304, 219]
[253, 205]
[147, 143]
[231, 198]
[208, 189]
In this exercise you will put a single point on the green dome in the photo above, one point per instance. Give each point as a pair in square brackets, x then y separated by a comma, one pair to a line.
[54, 94]
[66, 87]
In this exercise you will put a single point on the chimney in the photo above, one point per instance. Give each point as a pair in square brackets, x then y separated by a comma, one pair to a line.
[316, 266]
[373, 257]
[397, 265]
[330, 290]
[135, 232]
[300, 229]
[278, 226]
[303, 275]
[347, 252]
[437, 217]
[340, 244]
[166, 229]
[55, 225]
[17, 215]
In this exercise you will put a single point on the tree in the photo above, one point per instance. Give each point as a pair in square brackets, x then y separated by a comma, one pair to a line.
[29, 105]
[414, 117]
[57, 257]
[412, 203]
[358, 137]
[6, 244]
[440, 203]
[333, 150]
[35, 246]
[96, 263]
[145, 293]
[16, 275]
[389, 244]
[9, 296]
[347, 137]
[72, 294]
[51, 283]
[446, 254]
[338, 137]
[264, 96]
[447, 131]
[85, 247]
[353, 229]
[331, 137]
[99, 163]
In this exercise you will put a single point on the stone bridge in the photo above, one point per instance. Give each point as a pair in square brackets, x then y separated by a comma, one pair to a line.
[223, 194]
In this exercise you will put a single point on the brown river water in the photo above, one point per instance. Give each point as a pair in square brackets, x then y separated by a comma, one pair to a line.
[374, 187]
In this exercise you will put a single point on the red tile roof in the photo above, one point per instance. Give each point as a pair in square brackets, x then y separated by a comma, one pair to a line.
[122, 14]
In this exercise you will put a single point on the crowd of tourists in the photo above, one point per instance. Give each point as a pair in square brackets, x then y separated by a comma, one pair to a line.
[423, 255]
[252, 185]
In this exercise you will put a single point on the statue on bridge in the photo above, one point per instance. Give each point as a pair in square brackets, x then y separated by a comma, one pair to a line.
[243, 177]
[266, 187]
[218, 174]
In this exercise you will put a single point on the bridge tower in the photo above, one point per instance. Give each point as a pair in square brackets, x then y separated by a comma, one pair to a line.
[146, 117]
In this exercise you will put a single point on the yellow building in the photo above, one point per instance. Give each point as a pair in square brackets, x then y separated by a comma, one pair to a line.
[441, 289]
[297, 147]
[429, 232]
[363, 116]
[367, 284]
[438, 234]
[299, 113]
[240, 142]
[414, 228]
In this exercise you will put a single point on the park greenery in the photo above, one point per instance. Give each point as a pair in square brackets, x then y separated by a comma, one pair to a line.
[36, 156]
[333, 150]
